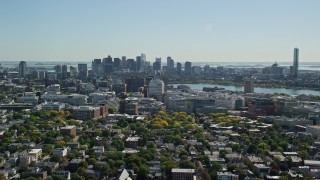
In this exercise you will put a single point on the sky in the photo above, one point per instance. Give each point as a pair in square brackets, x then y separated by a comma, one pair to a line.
[193, 30]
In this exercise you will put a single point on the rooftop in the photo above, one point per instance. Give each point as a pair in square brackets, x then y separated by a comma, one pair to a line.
[177, 170]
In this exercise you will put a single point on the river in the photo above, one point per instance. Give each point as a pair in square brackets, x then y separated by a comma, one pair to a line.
[256, 89]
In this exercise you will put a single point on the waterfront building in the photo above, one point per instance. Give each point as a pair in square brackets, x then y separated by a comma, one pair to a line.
[156, 88]
[249, 86]
[187, 67]
[179, 68]
[261, 107]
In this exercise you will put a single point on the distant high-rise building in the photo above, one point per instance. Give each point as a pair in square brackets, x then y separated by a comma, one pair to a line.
[295, 62]
[64, 71]
[138, 60]
[73, 71]
[42, 74]
[170, 64]
[187, 67]
[123, 62]
[107, 60]
[58, 68]
[116, 63]
[248, 86]
[131, 64]
[23, 69]
[96, 63]
[108, 65]
[157, 65]
[83, 71]
[179, 68]
[143, 62]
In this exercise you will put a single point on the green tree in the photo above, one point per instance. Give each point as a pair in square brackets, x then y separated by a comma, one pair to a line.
[186, 164]
[55, 158]
[143, 171]
[76, 176]
[204, 175]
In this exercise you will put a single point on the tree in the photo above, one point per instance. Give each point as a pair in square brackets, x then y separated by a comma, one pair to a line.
[2, 177]
[303, 154]
[106, 133]
[187, 164]
[55, 158]
[76, 176]
[143, 171]
[111, 110]
[215, 168]
[119, 145]
[222, 153]
[83, 164]
[168, 165]
[204, 175]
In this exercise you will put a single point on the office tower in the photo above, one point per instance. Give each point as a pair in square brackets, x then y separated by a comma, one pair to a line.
[58, 68]
[73, 71]
[157, 65]
[116, 63]
[134, 83]
[42, 74]
[64, 71]
[248, 86]
[143, 61]
[123, 62]
[131, 64]
[83, 71]
[23, 69]
[95, 66]
[187, 67]
[108, 65]
[170, 64]
[138, 60]
[295, 62]
[179, 68]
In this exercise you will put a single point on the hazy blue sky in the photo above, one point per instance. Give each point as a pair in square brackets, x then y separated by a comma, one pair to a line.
[206, 30]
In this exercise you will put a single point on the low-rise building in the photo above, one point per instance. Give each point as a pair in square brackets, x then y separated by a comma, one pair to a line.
[73, 165]
[60, 151]
[64, 174]
[133, 142]
[35, 154]
[227, 176]
[182, 174]
[69, 130]
[86, 112]
[53, 106]
[314, 130]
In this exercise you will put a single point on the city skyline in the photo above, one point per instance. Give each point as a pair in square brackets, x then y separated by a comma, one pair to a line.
[209, 31]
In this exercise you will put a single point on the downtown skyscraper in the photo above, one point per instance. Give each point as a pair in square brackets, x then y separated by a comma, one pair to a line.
[23, 69]
[295, 62]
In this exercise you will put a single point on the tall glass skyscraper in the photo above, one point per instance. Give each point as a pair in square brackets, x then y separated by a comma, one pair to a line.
[23, 69]
[295, 62]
